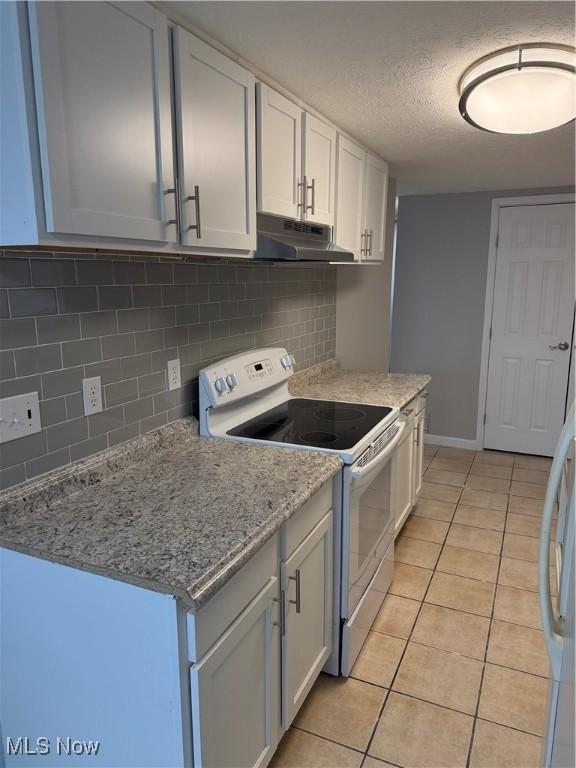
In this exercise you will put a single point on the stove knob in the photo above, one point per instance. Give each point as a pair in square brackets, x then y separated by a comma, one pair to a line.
[231, 380]
[220, 386]
[286, 362]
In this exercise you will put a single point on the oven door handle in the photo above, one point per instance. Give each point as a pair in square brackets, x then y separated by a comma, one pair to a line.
[380, 458]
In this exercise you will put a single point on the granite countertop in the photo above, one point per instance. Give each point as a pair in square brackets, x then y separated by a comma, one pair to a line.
[330, 382]
[170, 511]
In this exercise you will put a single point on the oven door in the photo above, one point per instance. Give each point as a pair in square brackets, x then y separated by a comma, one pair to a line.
[367, 547]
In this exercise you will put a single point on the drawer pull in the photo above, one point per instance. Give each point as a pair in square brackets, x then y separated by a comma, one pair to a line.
[296, 578]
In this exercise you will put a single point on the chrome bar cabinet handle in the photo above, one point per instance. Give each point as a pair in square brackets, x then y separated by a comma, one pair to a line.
[302, 193]
[296, 578]
[312, 188]
[172, 191]
[196, 198]
[282, 622]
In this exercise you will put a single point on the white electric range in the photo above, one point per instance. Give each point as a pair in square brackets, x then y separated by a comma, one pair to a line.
[246, 398]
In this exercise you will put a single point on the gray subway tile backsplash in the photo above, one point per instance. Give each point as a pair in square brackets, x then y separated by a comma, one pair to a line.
[68, 316]
[29, 360]
[57, 328]
[47, 272]
[14, 273]
[31, 302]
[17, 333]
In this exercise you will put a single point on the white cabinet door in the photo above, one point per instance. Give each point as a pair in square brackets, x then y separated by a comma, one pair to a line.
[235, 690]
[319, 170]
[215, 128]
[402, 480]
[350, 186]
[307, 581]
[375, 206]
[417, 454]
[279, 154]
[102, 87]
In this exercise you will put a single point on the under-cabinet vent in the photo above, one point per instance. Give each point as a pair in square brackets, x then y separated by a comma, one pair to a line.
[301, 226]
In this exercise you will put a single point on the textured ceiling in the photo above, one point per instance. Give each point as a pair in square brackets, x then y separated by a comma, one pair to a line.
[387, 73]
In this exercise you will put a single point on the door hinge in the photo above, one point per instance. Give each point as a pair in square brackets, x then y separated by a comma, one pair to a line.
[497, 239]
[484, 419]
[490, 334]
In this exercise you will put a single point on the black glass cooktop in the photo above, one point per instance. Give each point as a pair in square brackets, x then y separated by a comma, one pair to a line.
[314, 423]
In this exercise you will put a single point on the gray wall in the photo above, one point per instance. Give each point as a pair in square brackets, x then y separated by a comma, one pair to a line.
[438, 312]
[68, 316]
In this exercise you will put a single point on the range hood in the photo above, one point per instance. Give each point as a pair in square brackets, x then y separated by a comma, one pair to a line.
[290, 240]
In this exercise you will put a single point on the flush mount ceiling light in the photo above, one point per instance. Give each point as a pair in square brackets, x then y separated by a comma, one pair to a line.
[523, 89]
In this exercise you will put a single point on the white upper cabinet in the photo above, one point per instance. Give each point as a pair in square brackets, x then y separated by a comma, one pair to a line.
[279, 153]
[350, 197]
[215, 129]
[375, 207]
[296, 160]
[362, 184]
[319, 170]
[102, 88]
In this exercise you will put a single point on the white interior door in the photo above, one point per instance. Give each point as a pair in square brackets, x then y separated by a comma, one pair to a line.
[102, 83]
[350, 196]
[532, 322]
[279, 154]
[319, 170]
[375, 206]
[216, 146]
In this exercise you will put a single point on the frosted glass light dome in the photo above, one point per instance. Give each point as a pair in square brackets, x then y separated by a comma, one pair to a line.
[525, 89]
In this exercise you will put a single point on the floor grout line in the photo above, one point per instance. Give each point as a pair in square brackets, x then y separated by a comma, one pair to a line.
[484, 661]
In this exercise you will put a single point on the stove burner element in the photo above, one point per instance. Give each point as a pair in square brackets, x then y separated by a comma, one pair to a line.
[327, 424]
[264, 430]
[318, 438]
[338, 413]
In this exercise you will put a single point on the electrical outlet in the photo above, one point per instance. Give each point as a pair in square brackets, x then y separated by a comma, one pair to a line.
[173, 367]
[92, 395]
[19, 416]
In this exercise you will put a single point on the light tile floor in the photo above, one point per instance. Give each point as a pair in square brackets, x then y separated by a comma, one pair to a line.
[454, 671]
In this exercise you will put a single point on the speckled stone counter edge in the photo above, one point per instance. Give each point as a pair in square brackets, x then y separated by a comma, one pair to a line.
[328, 373]
[57, 486]
[61, 483]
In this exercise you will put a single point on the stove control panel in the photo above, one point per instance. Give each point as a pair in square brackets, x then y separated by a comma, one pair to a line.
[259, 370]
[243, 375]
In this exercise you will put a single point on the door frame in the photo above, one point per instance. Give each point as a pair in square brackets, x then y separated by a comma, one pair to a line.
[497, 204]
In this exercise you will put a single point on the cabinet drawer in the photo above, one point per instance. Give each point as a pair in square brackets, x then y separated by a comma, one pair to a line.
[300, 525]
[209, 623]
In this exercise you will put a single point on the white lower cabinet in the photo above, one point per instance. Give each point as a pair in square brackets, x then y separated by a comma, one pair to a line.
[407, 470]
[260, 643]
[402, 480]
[307, 640]
[417, 454]
[235, 689]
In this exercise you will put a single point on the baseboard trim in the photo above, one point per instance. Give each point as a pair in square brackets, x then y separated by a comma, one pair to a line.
[452, 442]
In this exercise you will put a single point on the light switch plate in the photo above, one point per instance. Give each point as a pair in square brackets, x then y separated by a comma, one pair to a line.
[92, 395]
[173, 368]
[19, 416]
